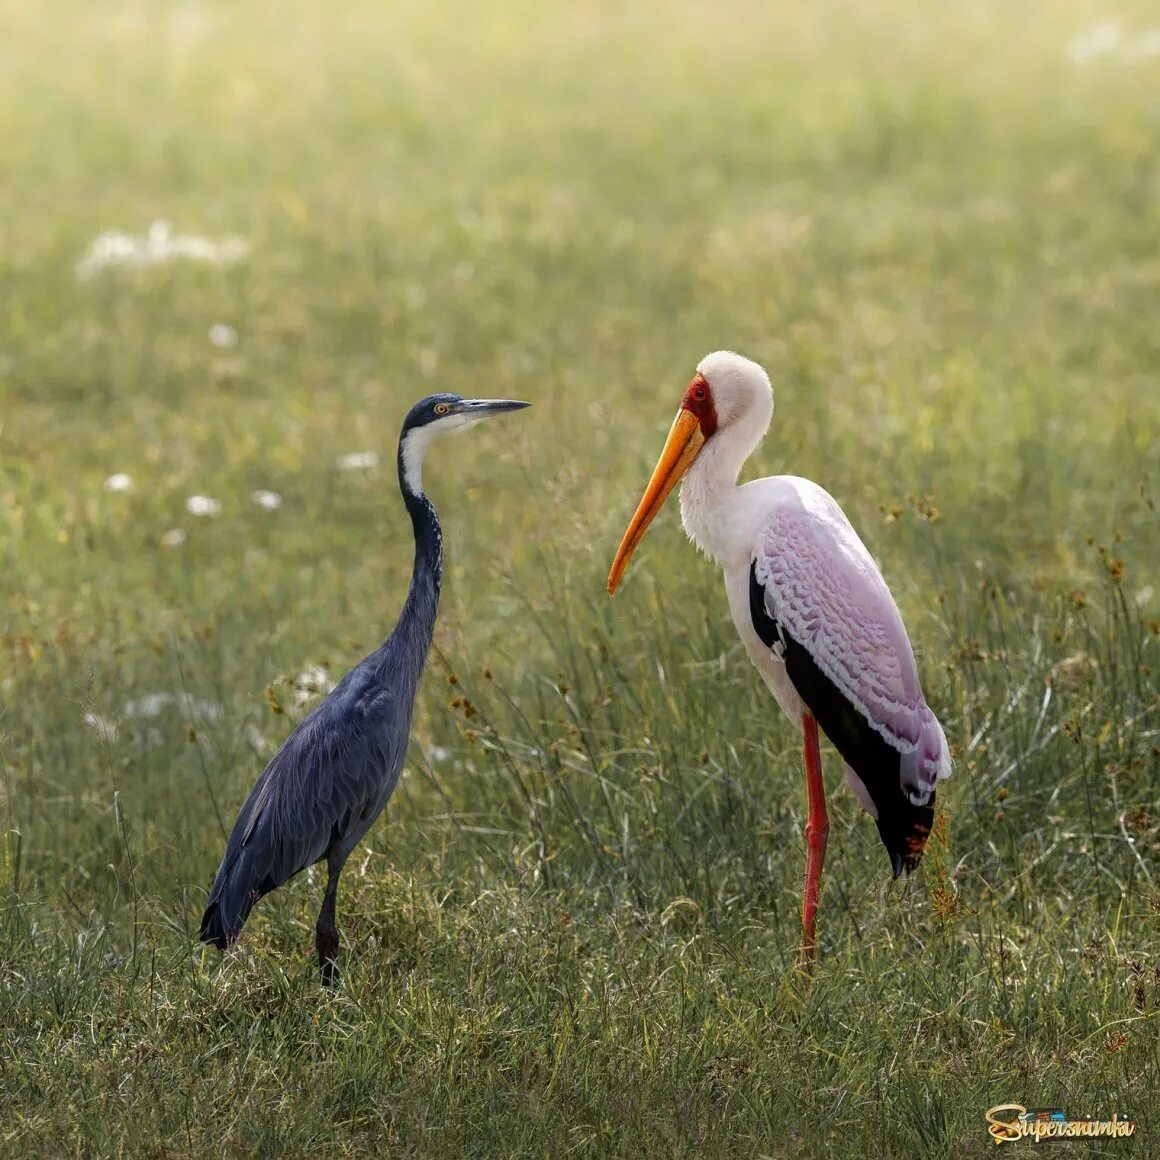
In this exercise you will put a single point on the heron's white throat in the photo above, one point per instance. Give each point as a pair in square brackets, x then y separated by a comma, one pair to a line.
[417, 441]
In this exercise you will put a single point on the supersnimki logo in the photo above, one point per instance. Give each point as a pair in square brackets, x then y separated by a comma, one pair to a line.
[1010, 1122]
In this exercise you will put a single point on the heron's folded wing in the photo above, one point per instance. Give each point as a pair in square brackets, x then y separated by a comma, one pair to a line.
[330, 771]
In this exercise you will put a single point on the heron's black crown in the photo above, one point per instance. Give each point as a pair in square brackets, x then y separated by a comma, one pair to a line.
[426, 410]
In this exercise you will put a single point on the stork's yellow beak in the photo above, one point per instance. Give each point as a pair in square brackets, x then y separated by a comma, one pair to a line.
[684, 442]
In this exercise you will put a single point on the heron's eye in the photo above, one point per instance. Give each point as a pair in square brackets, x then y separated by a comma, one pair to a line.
[441, 408]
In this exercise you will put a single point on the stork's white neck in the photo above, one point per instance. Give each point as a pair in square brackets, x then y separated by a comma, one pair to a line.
[707, 491]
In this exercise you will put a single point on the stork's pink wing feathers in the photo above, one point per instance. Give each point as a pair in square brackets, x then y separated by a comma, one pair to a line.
[823, 585]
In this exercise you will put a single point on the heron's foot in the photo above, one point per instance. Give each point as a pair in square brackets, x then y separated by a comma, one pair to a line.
[329, 971]
[327, 943]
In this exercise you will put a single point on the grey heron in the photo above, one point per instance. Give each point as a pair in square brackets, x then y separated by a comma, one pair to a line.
[328, 782]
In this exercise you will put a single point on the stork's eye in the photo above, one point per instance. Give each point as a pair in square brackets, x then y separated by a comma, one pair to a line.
[699, 392]
[441, 408]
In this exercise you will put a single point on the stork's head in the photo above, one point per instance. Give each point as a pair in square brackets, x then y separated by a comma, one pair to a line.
[441, 414]
[729, 400]
[738, 389]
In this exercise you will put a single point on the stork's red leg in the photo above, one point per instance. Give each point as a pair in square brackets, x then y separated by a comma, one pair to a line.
[817, 830]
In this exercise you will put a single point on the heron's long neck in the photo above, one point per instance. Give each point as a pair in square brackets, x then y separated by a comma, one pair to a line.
[707, 490]
[409, 644]
[427, 572]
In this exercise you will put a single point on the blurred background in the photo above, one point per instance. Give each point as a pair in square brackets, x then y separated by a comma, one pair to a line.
[237, 242]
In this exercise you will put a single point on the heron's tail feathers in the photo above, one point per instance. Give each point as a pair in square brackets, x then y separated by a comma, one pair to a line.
[234, 893]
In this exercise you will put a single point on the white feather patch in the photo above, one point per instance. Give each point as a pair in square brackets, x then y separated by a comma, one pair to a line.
[417, 441]
[414, 450]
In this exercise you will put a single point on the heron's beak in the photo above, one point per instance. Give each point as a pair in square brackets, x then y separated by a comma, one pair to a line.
[684, 442]
[485, 408]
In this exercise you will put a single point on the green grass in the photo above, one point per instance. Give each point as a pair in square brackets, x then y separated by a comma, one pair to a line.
[573, 930]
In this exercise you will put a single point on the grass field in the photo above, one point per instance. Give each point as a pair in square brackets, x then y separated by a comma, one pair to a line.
[573, 930]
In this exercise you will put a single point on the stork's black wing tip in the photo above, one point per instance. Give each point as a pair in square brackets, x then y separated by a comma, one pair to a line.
[905, 838]
[901, 860]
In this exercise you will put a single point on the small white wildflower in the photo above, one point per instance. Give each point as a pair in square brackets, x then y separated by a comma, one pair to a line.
[357, 461]
[270, 501]
[309, 684]
[154, 704]
[222, 336]
[158, 247]
[202, 505]
[149, 705]
[106, 729]
[119, 482]
[193, 706]
[150, 737]
[314, 679]
[1099, 41]
[1146, 44]
[173, 538]
[255, 738]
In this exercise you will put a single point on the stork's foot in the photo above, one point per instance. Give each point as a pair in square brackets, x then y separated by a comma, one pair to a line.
[816, 837]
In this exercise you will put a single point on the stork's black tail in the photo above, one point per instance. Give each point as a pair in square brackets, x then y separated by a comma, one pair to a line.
[904, 828]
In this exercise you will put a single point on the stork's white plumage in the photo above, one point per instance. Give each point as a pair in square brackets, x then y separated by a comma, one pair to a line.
[813, 611]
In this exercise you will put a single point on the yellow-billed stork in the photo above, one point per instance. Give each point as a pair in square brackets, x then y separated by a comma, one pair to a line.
[812, 609]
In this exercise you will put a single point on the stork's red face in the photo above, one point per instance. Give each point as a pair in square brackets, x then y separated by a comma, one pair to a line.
[698, 401]
[696, 421]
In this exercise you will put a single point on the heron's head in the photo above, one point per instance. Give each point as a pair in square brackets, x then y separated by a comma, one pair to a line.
[728, 401]
[441, 414]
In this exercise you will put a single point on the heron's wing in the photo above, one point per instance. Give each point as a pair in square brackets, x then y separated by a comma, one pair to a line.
[330, 778]
[824, 607]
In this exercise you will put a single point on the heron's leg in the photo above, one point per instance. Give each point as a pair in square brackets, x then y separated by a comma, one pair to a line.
[817, 830]
[326, 929]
